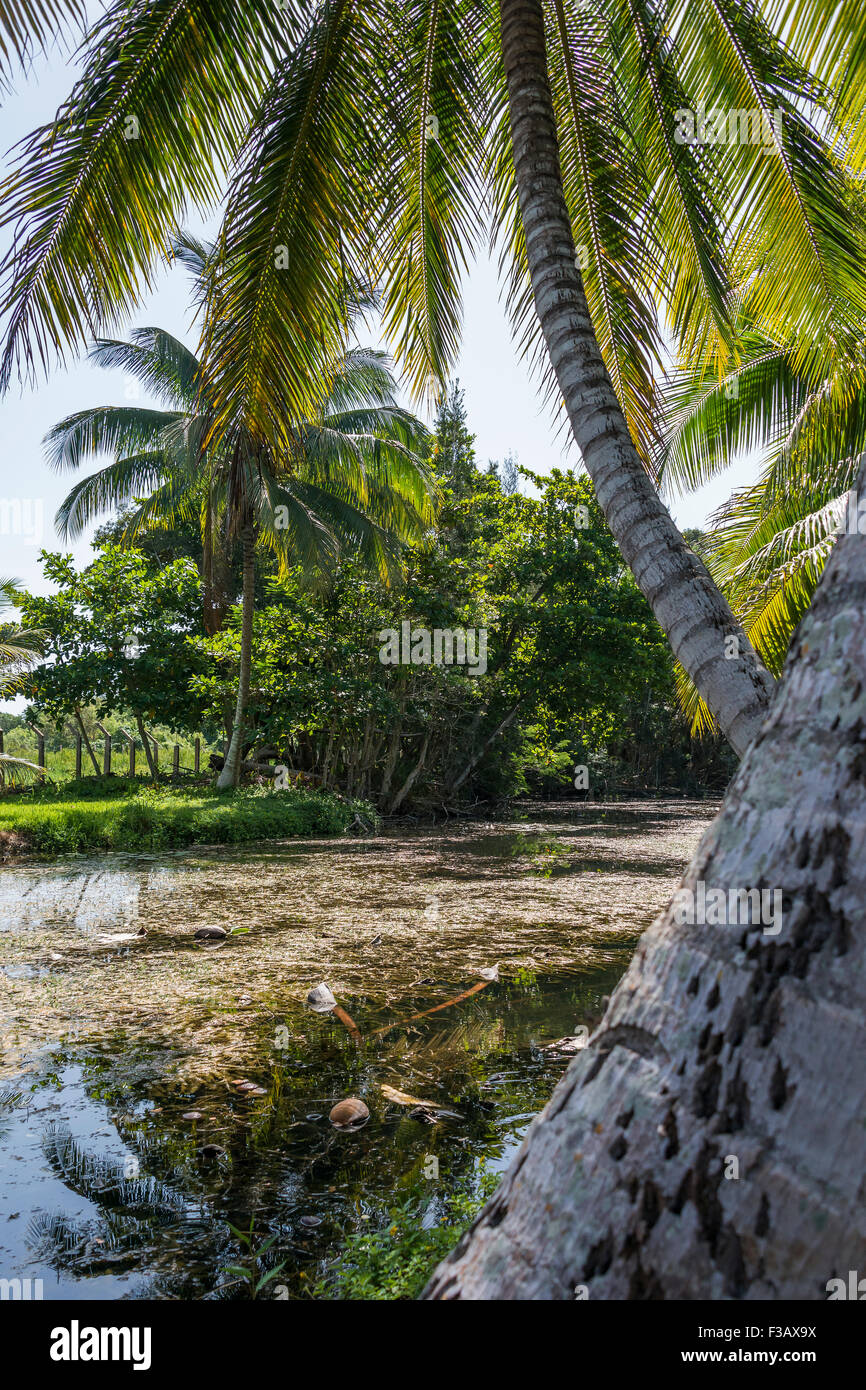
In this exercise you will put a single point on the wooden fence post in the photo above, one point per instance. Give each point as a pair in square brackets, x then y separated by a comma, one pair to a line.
[175, 766]
[76, 735]
[197, 754]
[131, 741]
[106, 757]
[40, 744]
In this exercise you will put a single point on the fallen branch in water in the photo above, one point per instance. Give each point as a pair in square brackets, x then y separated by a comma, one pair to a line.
[399, 1022]
[321, 1000]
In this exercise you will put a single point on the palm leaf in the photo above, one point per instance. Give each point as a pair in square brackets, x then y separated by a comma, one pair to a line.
[165, 98]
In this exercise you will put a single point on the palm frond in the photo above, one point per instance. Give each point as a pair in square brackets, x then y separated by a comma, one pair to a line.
[432, 100]
[119, 483]
[167, 92]
[279, 317]
[29, 24]
[111, 429]
[163, 364]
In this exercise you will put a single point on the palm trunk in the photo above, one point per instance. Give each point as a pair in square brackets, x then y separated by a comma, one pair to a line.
[683, 597]
[709, 1142]
[231, 772]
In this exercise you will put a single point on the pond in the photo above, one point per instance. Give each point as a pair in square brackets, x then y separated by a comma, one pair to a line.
[113, 1042]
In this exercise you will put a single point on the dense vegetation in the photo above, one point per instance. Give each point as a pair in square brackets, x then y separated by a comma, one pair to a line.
[577, 674]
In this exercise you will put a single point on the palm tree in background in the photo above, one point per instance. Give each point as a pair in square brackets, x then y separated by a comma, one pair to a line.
[768, 544]
[372, 137]
[351, 475]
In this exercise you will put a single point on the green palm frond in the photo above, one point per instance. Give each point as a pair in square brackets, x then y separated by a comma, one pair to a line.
[20, 647]
[167, 92]
[433, 98]
[111, 429]
[685, 187]
[279, 318]
[18, 772]
[793, 225]
[291, 527]
[709, 418]
[119, 483]
[163, 364]
[29, 24]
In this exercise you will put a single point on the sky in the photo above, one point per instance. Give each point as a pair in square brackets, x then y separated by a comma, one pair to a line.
[504, 409]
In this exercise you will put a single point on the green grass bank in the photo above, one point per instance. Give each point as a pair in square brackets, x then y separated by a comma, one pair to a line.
[132, 816]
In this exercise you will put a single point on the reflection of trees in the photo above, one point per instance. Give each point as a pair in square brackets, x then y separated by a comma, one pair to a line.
[129, 1209]
[170, 1222]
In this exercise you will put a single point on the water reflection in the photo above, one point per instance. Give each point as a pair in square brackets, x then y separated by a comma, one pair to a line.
[107, 1191]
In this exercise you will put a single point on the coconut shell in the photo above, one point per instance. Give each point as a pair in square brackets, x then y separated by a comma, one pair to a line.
[349, 1114]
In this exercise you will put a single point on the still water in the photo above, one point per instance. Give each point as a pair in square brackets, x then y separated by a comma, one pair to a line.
[107, 1046]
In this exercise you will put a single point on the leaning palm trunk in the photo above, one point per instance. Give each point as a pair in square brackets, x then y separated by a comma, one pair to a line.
[709, 1141]
[683, 597]
[231, 772]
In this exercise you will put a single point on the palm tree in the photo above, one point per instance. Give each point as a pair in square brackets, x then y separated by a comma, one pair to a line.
[351, 475]
[374, 134]
[769, 543]
[20, 649]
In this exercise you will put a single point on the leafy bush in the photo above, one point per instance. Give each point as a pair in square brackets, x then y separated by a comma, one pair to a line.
[149, 818]
[396, 1263]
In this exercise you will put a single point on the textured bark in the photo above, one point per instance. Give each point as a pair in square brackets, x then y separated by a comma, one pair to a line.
[230, 775]
[723, 1042]
[683, 597]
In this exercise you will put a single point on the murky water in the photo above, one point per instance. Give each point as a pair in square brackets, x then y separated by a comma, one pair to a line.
[107, 1191]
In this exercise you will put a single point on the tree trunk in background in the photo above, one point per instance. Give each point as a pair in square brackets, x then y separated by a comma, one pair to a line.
[683, 597]
[476, 757]
[397, 801]
[393, 754]
[231, 772]
[710, 1141]
[215, 575]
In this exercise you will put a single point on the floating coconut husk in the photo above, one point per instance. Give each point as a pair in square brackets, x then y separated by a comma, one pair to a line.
[349, 1114]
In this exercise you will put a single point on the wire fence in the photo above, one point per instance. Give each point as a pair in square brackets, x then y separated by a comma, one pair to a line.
[108, 754]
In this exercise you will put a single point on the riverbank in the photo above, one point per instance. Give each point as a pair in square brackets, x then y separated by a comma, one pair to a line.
[132, 816]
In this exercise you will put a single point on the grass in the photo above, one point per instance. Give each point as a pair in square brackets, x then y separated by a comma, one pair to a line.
[97, 815]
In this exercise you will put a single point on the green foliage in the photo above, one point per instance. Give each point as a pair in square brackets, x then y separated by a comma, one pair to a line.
[117, 635]
[396, 1263]
[144, 818]
[250, 1274]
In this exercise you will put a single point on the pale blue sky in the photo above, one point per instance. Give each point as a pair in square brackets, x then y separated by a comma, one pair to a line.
[504, 409]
